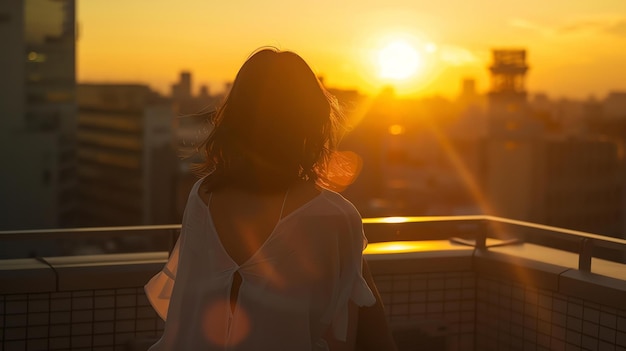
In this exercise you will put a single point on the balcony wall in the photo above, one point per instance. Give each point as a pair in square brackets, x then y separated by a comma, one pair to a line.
[77, 303]
[438, 295]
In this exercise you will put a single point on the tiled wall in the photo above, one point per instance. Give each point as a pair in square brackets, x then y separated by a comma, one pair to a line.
[437, 308]
[452, 311]
[77, 320]
[512, 316]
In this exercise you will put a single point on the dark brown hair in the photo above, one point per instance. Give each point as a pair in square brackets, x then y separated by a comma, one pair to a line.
[277, 125]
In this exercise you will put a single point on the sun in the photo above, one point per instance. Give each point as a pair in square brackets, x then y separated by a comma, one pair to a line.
[398, 60]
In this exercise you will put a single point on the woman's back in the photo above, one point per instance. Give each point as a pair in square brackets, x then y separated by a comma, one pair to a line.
[294, 287]
[244, 219]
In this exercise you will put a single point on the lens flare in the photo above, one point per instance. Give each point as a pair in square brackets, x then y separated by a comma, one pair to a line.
[219, 333]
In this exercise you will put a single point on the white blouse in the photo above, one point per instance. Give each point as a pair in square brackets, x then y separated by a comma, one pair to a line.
[296, 286]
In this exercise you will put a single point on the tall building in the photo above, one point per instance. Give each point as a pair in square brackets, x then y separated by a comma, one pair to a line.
[508, 105]
[528, 175]
[126, 163]
[578, 185]
[37, 113]
[511, 136]
[607, 118]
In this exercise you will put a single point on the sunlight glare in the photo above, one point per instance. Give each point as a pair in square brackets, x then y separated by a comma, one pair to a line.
[430, 48]
[396, 129]
[398, 247]
[395, 220]
[398, 60]
[393, 247]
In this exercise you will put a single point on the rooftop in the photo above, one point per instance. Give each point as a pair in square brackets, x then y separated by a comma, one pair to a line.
[447, 283]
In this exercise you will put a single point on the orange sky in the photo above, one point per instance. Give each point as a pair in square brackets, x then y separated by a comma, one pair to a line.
[575, 48]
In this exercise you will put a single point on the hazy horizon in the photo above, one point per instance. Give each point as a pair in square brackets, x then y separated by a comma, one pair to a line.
[575, 50]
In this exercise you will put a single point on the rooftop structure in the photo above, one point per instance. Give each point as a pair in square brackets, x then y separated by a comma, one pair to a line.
[508, 72]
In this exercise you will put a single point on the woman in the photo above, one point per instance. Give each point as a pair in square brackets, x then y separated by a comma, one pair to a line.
[267, 258]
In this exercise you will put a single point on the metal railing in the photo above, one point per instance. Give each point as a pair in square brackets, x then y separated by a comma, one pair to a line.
[88, 240]
[470, 230]
[474, 230]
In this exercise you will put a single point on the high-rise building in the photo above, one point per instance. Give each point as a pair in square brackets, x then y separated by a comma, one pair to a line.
[37, 113]
[126, 162]
[607, 118]
[528, 175]
[578, 185]
[508, 105]
[510, 138]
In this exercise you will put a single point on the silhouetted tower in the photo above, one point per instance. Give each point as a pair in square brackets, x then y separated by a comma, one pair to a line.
[509, 116]
[507, 74]
[512, 134]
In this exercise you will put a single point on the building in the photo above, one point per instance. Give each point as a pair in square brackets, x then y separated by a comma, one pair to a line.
[182, 89]
[529, 175]
[191, 126]
[607, 119]
[37, 113]
[615, 105]
[579, 186]
[510, 139]
[126, 163]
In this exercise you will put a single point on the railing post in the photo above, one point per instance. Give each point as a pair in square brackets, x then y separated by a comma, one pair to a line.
[481, 236]
[585, 253]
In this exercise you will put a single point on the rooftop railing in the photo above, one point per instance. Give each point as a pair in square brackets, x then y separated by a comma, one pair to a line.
[462, 282]
[473, 230]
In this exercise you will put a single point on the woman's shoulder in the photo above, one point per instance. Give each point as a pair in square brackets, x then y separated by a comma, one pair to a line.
[336, 201]
[309, 200]
[195, 198]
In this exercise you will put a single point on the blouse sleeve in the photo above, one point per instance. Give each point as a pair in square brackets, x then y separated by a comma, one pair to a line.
[351, 285]
[159, 288]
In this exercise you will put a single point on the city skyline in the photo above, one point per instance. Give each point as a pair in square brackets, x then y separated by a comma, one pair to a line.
[576, 51]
